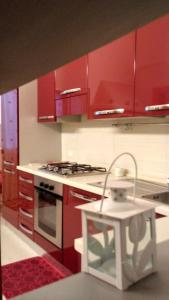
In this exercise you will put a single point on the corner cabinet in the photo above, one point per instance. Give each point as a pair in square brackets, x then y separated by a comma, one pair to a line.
[46, 98]
[10, 156]
[111, 79]
[152, 69]
[72, 88]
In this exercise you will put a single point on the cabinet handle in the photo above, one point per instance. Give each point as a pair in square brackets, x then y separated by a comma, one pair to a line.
[23, 227]
[8, 163]
[109, 111]
[46, 117]
[9, 172]
[82, 197]
[70, 91]
[157, 107]
[25, 213]
[25, 196]
[25, 180]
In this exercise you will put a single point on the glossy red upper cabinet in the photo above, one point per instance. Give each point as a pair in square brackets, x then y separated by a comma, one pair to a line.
[111, 79]
[46, 98]
[152, 68]
[9, 112]
[72, 88]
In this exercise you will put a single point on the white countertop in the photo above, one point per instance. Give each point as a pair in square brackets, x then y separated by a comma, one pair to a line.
[79, 181]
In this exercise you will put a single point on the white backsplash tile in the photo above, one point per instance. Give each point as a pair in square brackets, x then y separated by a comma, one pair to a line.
[98, 144]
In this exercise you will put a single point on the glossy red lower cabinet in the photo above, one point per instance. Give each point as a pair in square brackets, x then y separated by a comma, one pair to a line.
[10, 196]
[111, 79]
[72, 227]
[152, 69]
[26, 203]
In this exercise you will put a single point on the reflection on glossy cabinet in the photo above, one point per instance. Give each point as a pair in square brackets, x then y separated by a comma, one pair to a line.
[10, 156]
[111, 79]
[152, 68]
[9, 111]
[46, 98]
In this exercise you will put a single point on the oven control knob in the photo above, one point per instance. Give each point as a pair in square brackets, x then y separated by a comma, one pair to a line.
[41, 184]
[51, 187]
[46, 186]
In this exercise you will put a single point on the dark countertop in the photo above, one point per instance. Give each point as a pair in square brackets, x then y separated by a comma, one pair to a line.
[83, 286]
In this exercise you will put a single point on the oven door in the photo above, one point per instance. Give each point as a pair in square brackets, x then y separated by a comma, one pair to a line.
[48, 215]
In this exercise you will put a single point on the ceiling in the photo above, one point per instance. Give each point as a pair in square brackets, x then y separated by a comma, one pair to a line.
[37, 36]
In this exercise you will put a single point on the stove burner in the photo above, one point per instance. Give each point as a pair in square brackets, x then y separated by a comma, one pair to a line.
[69, 168]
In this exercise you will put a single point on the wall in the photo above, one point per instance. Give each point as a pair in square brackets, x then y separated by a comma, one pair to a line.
[38, 142]
[99, 143]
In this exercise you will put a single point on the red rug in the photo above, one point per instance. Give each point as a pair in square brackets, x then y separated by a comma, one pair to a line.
[27, 275]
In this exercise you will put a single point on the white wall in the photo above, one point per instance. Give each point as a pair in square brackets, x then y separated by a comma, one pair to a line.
[99, 143]
[38, 142]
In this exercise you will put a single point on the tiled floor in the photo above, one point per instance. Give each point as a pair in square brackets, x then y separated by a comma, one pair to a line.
[16, 246]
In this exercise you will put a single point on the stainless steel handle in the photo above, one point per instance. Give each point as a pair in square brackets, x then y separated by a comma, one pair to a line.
[25, 180]
[74, 90]
[157, 107]
[8, 163]
[25, 229]
[25, 196]
[46, 117]
[109, 111]
[9, 172]
[24, 213]
[82, 197]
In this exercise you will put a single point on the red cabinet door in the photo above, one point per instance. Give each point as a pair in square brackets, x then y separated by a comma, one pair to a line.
[152, 68]
[9, 111]
[72, 88]
[10, 196]
[72, 227]
[111, 79]
[71, 79]
[46, 98]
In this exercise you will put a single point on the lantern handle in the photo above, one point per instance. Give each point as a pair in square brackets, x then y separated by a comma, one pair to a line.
[111, 165]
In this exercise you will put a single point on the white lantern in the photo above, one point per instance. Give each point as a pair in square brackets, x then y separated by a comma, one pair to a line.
[119, 239]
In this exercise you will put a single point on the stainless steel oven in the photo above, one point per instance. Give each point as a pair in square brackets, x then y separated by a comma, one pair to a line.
[48, 209]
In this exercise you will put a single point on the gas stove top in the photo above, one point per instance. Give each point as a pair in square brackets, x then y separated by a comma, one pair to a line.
[72, 168]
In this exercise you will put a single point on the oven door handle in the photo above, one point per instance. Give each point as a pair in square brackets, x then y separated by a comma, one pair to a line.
[58, 197]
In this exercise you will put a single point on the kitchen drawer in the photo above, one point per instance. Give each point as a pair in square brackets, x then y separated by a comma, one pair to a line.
[26, 194]
[26, 229]
[26, 180]
[26, 217]
[76, 196]
[27, 206]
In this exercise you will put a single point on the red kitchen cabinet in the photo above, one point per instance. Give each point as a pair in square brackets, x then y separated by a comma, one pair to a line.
[72, 88]
[10, 156]
[26, 203]
[72, 227]
[46, 98]
[111, 79]
[152, 69]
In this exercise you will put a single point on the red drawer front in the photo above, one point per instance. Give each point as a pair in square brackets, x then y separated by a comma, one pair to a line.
[25, 217]
[77, 196]
[26, 193]
[26, 180]
[26, 228]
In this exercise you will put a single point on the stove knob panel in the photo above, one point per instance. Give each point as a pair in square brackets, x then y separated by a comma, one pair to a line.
[41, 183]
[46, 186]
[51, 187]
